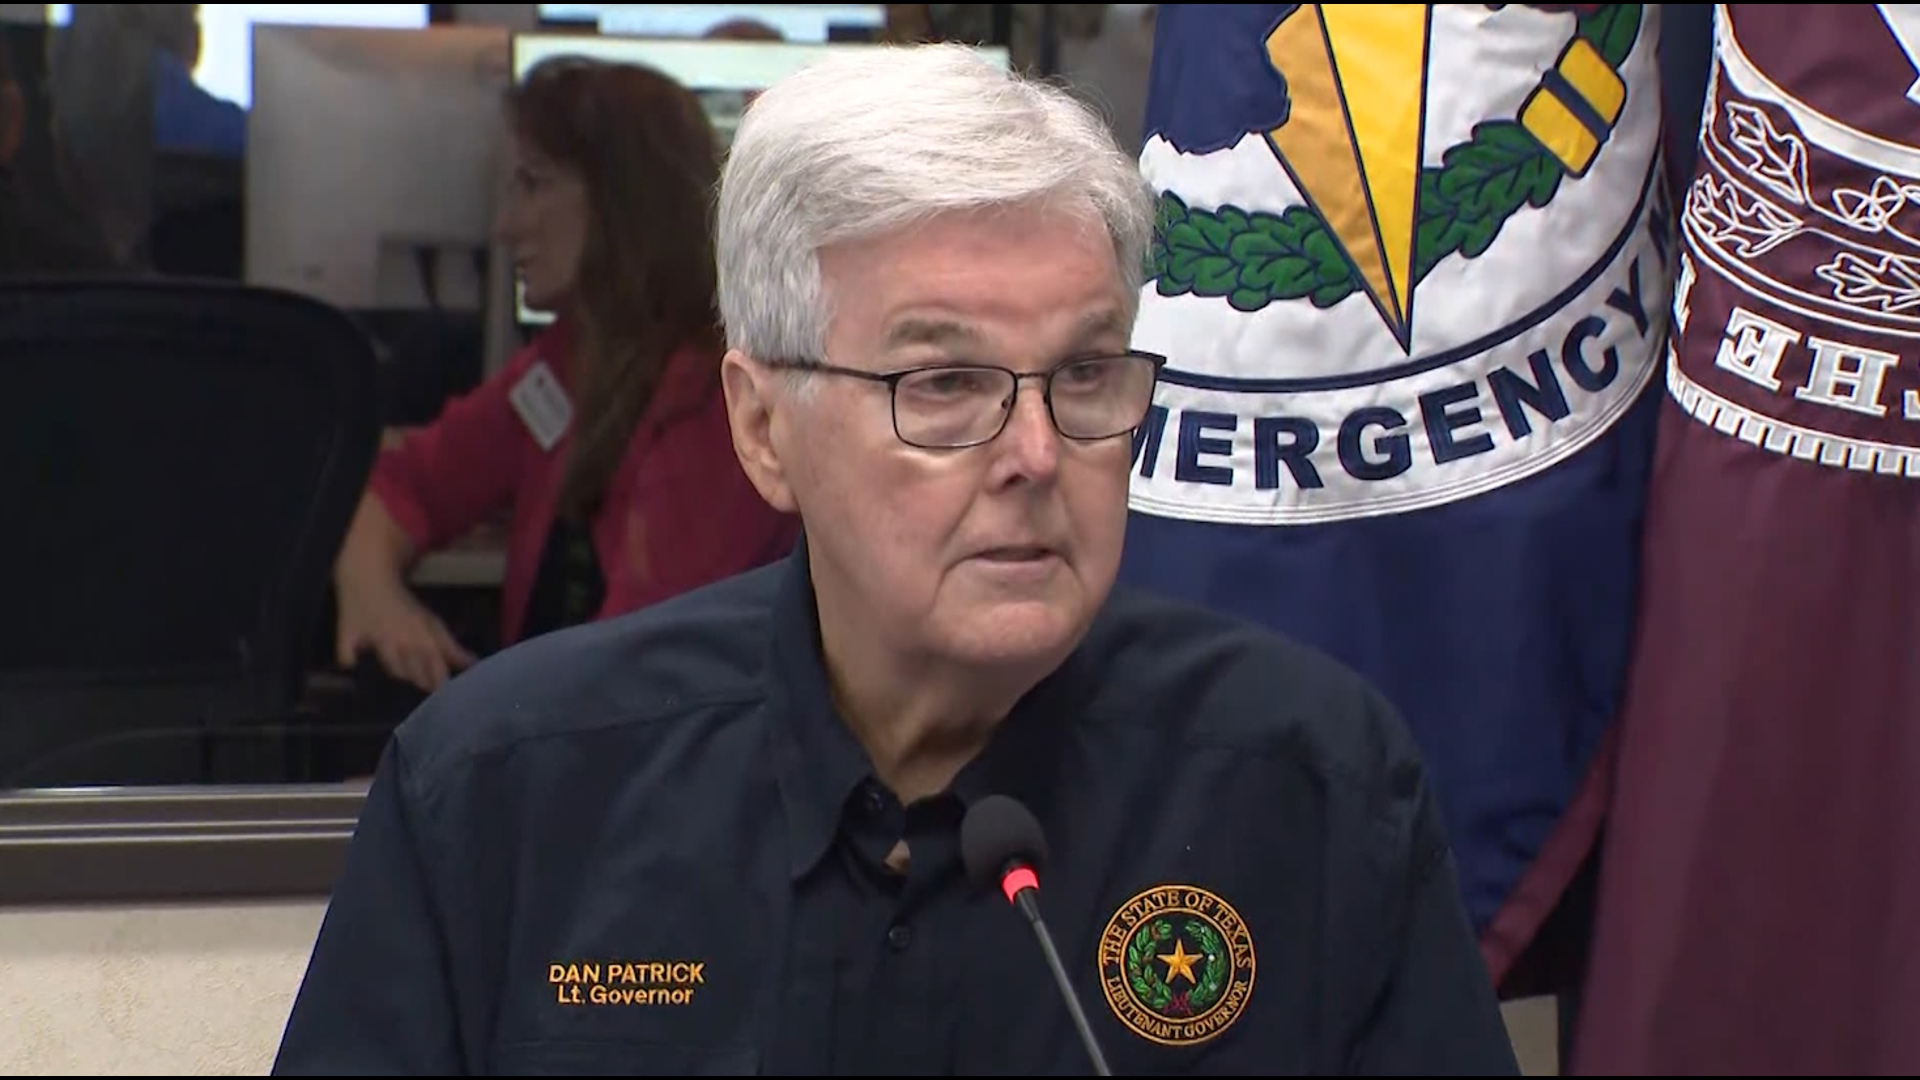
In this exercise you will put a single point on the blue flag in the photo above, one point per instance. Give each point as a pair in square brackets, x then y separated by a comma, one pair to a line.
[1413, 272]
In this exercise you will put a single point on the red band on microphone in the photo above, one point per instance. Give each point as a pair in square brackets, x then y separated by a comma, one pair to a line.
[1017, 881]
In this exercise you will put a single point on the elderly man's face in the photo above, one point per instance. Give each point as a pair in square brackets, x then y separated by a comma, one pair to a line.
[999, 552]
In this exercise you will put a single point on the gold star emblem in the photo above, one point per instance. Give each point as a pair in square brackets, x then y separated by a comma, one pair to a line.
[1180, 962]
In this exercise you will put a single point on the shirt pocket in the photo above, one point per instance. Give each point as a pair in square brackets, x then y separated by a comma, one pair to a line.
[577, 1058]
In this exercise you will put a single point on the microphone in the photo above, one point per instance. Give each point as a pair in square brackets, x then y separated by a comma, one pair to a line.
[1003, 846]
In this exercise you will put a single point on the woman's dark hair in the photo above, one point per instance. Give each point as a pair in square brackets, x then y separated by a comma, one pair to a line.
[650, 162]
[42, 231]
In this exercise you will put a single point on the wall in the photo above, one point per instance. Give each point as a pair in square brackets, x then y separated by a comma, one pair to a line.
[183, 990]
[1110, 68]
[511, 16]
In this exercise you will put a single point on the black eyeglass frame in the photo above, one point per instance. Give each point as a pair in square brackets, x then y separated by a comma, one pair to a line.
[892, 379]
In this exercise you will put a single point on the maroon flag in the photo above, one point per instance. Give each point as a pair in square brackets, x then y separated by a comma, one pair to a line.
[1760, 889]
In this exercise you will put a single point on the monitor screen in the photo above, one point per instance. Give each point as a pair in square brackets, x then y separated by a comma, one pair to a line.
[383, 199]
[226, 35]
[795, 22]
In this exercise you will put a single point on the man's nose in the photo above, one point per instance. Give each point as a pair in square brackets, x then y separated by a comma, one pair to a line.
[1030, 441]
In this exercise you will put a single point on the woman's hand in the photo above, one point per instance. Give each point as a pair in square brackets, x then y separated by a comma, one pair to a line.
[410, 641]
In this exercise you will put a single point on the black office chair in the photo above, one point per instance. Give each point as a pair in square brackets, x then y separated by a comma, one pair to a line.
[199, 217]
[178, 463]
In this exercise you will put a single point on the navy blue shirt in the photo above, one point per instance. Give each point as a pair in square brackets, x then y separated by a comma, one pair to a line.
[650, 845]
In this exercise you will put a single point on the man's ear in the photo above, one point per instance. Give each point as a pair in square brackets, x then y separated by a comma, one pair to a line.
[754, 402]
[13, 122]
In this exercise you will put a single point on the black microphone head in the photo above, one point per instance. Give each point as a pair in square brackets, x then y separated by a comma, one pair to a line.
[999, 832]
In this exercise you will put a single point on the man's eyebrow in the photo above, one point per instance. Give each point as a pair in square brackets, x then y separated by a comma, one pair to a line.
[920, 331]
[1089, 330]
[924, 331]
[1101, 322]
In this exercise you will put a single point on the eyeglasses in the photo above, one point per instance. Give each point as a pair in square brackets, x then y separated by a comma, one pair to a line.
[956, 406]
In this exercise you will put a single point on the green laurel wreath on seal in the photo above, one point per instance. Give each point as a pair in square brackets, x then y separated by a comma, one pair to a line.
[1152, 990]
[1144, 977]
[1213, 976]
[1256, 258]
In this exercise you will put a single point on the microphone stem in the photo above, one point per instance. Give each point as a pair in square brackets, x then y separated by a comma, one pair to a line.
[1031, 909]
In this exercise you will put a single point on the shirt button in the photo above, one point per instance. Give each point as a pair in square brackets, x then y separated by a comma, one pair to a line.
[899, 937]
[872, 801]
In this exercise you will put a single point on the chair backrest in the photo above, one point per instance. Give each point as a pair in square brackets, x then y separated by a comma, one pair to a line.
[179, 462]
[199, 217]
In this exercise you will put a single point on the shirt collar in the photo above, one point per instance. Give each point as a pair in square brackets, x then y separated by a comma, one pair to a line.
[818, 762]
[821, 767]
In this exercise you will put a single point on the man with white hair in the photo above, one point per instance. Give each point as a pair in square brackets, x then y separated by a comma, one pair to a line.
[775, 825]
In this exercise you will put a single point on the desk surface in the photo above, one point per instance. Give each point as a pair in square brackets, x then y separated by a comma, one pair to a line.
[477, 562]
[461, 569]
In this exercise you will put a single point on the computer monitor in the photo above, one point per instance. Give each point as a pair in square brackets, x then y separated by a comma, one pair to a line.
[722, 73]
[796, 22]
[368, 148]
[374, 161]
[226, 31]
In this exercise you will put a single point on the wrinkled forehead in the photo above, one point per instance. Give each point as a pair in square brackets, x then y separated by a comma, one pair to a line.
[967, 282]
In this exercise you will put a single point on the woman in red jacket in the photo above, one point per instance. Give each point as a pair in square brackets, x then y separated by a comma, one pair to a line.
[608, 436]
